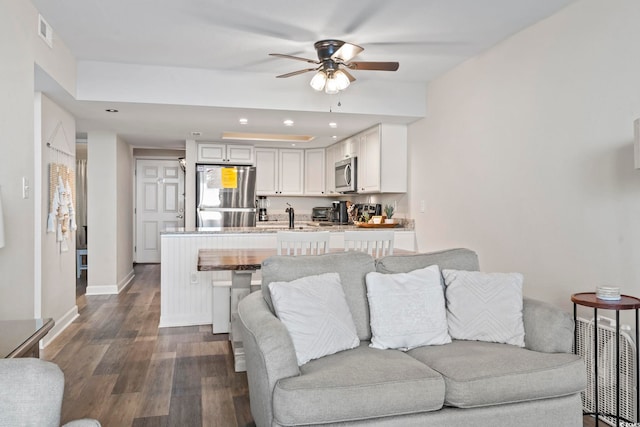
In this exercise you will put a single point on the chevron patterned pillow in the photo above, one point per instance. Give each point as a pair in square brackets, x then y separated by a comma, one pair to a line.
[484, 306]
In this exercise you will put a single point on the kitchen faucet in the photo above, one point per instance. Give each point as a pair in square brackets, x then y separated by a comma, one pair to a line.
[291, 216]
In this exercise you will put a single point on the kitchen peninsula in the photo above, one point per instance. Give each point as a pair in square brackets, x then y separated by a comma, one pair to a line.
[192, 297]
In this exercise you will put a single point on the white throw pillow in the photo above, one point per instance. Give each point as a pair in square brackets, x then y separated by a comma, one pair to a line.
[407, 309]
[315, 312]
[484, 306]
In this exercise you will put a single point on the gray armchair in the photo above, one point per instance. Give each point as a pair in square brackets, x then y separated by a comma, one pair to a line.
[31, 394]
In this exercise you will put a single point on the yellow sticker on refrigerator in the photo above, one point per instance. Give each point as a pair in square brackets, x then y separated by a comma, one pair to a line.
[229, 178]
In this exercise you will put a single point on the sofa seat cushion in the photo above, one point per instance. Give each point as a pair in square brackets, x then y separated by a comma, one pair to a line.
[482, 374]
[357, 384]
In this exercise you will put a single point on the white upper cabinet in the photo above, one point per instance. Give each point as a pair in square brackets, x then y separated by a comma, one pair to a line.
[279, 172]
[369, 162]
[314, 172]
[291, 174]
[349, 147]
[226, 153]
[382, 159]
[332, 155]
[266, 171]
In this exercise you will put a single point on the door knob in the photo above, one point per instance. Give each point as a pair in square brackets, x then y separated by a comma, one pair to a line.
[180, 216]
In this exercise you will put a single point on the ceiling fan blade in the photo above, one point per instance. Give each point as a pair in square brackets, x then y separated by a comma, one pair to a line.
[297, 58]
[295, 73]
[346, 52]
[348, 74]
[371, 65]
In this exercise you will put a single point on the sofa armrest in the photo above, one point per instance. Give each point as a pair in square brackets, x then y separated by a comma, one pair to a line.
[269, 354]
[547, 328]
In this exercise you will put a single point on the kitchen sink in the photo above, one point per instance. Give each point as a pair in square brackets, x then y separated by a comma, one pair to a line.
[284, 226]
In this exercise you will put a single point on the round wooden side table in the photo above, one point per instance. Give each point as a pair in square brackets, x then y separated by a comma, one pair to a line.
[626, 302]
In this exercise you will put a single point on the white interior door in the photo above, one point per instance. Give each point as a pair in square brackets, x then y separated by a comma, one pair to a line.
[159, 204]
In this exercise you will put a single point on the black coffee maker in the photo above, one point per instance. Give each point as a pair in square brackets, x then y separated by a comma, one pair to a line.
[340, 213]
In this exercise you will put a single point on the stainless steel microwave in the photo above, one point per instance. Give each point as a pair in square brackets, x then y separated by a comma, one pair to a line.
[346, 172]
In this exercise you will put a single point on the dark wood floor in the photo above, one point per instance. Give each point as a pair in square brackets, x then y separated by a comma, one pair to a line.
[122, 370]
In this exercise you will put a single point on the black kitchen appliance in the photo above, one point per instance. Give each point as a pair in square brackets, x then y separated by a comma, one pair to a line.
[372, 209]
[322, 213]
[340, 213]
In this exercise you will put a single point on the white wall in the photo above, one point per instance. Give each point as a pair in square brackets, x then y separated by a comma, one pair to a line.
[109, 207]
[125, 203]
[109, 81]
[526, 154]
[57, 267]
[21, 49]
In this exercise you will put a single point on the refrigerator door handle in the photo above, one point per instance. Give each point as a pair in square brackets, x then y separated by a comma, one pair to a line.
[203, 208]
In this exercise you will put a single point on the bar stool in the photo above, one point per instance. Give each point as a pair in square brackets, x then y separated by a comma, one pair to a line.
[81, 255]
[376, 243]
[302, 243]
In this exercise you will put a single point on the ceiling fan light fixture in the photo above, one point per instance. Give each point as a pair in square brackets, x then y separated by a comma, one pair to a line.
[342, 81]
[334, 58]
[331, 87]
[318, 81]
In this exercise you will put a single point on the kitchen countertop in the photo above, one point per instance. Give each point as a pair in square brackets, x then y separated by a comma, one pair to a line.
[274, 226]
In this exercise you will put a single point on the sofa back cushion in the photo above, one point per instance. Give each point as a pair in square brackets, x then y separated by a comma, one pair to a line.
[452, 259]
[352, 267]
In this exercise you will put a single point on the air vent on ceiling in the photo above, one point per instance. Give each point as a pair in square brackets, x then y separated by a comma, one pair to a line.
[45, 31]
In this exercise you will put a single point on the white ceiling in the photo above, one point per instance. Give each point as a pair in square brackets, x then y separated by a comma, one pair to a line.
[234, 38]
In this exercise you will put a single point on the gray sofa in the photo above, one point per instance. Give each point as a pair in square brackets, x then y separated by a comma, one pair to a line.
[463, 383]
[31, 394]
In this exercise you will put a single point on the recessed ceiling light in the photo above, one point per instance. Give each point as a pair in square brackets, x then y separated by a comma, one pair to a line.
[288, 122]
[335, 137]
[196, 133]
[246, 136]
[243, 121]
[111, 110]
[333, 125]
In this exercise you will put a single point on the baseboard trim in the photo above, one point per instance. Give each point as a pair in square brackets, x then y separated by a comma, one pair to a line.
[126, 281]
[102, 290]
[60, 325]
[112, 289]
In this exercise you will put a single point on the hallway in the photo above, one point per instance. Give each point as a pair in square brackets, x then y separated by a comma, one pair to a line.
[124, 371]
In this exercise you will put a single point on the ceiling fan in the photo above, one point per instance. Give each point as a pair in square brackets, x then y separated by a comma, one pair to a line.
[334, 58]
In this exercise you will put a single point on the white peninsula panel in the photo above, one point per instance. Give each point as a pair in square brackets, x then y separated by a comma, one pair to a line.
[186, 294]
[188, 297]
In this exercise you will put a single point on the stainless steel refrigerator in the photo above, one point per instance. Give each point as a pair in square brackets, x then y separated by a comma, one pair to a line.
[225, 196]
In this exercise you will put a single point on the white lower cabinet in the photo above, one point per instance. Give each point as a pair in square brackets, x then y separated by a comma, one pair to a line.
[279, 172]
